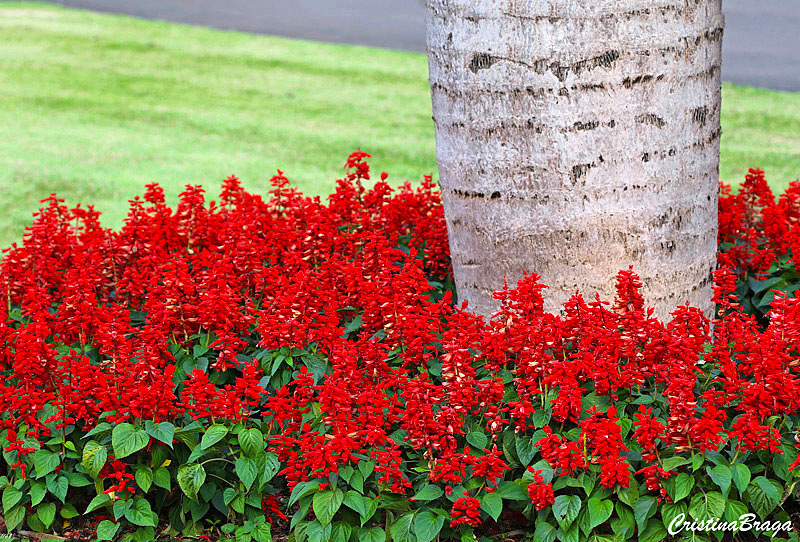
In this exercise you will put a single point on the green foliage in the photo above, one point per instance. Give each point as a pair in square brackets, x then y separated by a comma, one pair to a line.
[756, 294]
[179, 492]
[169, 495]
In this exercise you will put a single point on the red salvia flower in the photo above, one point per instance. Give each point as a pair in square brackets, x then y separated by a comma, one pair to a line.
[466, 510]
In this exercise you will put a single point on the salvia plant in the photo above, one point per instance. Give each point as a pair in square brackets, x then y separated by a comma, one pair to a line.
[283, 366]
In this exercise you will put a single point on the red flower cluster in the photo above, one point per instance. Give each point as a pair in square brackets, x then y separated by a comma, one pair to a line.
[466, 510]
[541, 494]
[755, 229]
[127, 302]
[603, 437]
[17, 446]
[164, 319]
[117, 470]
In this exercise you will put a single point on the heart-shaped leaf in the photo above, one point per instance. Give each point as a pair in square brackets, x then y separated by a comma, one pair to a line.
[191, 478]
[326, 504]
[127, 439]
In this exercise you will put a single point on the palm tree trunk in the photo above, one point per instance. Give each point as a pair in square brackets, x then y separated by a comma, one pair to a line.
[575, 138]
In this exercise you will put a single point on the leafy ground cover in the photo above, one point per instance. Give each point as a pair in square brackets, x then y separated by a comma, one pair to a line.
[283, 367]
[95, 106]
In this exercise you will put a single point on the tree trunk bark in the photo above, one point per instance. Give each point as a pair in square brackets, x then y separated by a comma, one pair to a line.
[575, 138]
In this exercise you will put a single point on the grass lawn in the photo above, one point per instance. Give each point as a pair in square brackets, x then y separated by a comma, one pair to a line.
[95, 106]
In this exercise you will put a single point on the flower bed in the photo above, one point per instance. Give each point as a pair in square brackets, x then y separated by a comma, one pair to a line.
[253, 367]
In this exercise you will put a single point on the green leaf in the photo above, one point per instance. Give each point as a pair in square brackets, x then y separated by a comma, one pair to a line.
[188, 435]
[141, 514]
[734, 510]
[780, 465]
[477, 439]
[14, 517]
[101, 428]
[190, 478]
[654, 532]
[162, 432]
[629, 495]
[161, 478]
[238, 503]
[769, 297]
[198, 350]
[512, 491]
[372, 507]
[97, 502]
[144, 534]
[107, 529]
[570, 535]
[373, 534]
[541, 418]
[262, 532]
[510, 450]
[46, 514]
[301, 490]
[77, 479]
[37, 493]
[144, 478]
[599, 511]
[58, 486]
[353, 325]
[317, 532]
[252, 442]
[625, 523]
[704, 506]
[68, 511]
[366, 468]
[492, 504]
[566, 509]
[427, 525]
[671, 510]
[602, 402]
[644, 508]
[741, 477]
[127, 439]
[357, 481]
[11, 497]
[769, 489]
[326, 504]
[764, 497]
[766, 284]
[683, 486]
[526, 450]
[94, 458]
[213, 434]
[356, 502]
[120, 507]
[625, 425]
[45, 462]
[587, 482]
[544, 532]
[672, 463]
[401, 528]
[722, 476]
[271, 466]
[247, 471]
[34, 523]
[228, 495]
[430, 492]
[197, 452]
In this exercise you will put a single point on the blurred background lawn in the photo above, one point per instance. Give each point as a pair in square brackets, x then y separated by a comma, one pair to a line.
[94, 106]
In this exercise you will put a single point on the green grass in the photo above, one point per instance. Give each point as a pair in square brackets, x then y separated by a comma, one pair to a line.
[760, 128]
[93, 107]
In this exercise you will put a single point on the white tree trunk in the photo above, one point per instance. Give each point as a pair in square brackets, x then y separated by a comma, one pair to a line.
[575, 138]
